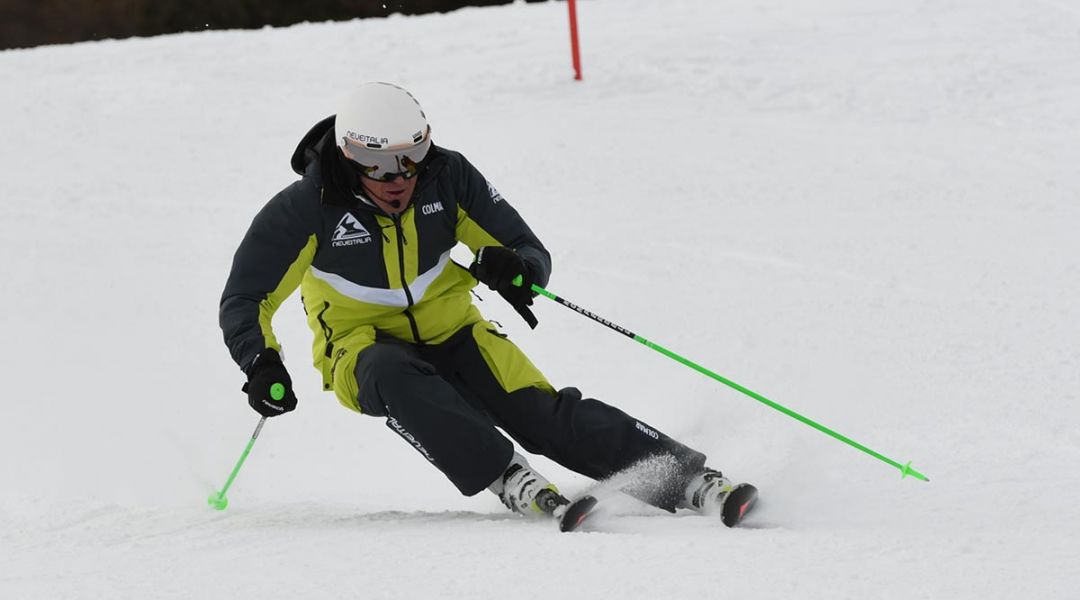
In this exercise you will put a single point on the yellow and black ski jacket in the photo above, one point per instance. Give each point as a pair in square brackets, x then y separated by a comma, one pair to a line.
[361, 272]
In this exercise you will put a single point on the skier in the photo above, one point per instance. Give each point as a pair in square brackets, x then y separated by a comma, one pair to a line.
[366, 234]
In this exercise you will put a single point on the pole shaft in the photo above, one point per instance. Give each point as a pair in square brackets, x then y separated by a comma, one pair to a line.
[766, 401]
[243, 457]
[904, 469]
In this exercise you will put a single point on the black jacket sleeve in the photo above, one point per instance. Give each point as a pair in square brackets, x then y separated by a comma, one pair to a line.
[267, 267]
[485, 218]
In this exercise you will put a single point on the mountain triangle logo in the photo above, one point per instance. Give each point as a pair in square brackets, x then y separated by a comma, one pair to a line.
[350, 232]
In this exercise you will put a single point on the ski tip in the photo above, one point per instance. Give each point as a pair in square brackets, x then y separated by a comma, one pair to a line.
[738, 502]
[576, 513]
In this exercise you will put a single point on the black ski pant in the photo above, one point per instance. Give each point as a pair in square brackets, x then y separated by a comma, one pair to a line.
[445, 401]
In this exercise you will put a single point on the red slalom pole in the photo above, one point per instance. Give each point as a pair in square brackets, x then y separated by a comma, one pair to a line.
[574, 49]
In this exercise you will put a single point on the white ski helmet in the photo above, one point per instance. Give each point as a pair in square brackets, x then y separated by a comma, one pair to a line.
[382, 130]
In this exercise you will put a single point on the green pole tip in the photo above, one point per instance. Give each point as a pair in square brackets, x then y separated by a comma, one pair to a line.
[907, 470]
[517, 281]
[217, 501]
[277, 391]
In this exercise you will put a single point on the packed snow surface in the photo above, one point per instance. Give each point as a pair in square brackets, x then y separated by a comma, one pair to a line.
[866, 210]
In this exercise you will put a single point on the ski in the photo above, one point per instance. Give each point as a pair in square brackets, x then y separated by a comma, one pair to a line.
[574, 514]
[737, 503]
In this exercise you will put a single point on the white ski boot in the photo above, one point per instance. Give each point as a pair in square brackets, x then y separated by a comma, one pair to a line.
[525, 491]
[711, 493]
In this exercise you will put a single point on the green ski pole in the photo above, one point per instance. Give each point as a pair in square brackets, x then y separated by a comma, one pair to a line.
[217, 500]
[905, 469]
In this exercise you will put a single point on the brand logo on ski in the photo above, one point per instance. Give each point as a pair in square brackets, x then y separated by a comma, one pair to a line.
[349, 232]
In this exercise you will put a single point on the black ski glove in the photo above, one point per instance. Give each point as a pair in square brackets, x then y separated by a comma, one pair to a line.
[269, 387]
[497, 267]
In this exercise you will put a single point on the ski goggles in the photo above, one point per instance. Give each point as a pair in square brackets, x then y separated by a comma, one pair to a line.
[386, 163]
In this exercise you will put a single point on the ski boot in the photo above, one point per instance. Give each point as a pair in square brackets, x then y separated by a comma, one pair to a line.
[525, 491]
[710, 493]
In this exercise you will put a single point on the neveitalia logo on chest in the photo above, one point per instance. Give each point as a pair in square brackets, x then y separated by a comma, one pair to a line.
[349, 232]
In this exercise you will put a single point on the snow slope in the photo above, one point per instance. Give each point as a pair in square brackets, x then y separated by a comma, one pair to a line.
[865, 210]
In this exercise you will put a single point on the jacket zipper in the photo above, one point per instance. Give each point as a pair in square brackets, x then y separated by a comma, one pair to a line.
[328, 333]
[404, 284]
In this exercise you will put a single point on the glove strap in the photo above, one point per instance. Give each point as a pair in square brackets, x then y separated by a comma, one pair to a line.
[527, 314]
